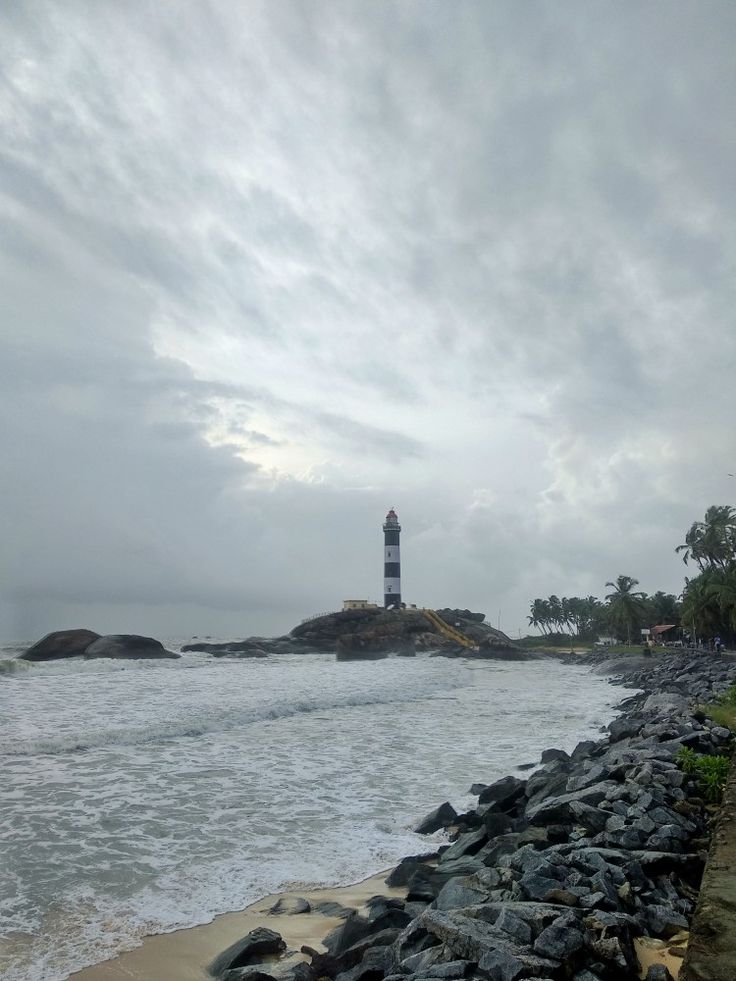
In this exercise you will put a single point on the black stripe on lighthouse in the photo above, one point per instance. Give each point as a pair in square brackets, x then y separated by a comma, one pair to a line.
[391, 561]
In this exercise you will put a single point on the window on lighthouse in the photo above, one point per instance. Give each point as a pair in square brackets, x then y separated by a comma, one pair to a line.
[389, 589]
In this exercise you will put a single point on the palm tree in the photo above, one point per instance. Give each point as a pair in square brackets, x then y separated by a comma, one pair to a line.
[722, 588]
[711, 543]
[536, 616]
[700, 605]
[625, 605]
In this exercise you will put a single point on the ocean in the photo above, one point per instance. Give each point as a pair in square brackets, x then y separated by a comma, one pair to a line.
[139, 797]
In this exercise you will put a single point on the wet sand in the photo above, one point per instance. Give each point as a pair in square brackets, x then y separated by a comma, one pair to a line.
[651, 951]
[184, 954]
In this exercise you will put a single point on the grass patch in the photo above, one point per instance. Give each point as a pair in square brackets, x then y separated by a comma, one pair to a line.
[724, 710]
[724, 715]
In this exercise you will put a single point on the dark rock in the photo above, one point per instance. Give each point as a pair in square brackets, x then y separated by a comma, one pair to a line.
[658, 972]
[504, 792]
[420, 887]
[60, 643]
[467, 844]
[290, 905]
[450, 969]
[501, 965]
[358, 930]
[369, 966]
[537, 886]
[495, 822]
[255, 945]
[230, 647]
[590, 817]
[327, 907]
[663, 921]
[128, 646]
[553, 809]
[514, 925]
[405, 870]
[559, 941]
[441, 817]
[467, 865]
[552, 755]
[563, 896]
[458, 893]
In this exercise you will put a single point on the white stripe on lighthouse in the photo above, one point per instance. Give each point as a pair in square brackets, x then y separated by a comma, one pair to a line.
[391, 553]
[392, 586]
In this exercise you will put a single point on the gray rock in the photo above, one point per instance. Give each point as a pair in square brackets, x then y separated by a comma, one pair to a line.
[466, 844]
[459, 892]
[59, 644]
[450, 870]
[450, 969]
[537, 886]
[504, 792]
[558, 808]
[501, 965]
[658, 972]
[590, 817]
[243, 953]
[440, 817]
[372, 962]
[666, 702]
[405, 870]
[128, 646]
[663, 921]
[552, 755]
[559, 942]
[290, 905]
[513, 925]
[421, 963]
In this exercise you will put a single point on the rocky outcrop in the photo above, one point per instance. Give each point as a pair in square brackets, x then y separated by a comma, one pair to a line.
[60, 643]
[259, 645]
[362, 647]
[403, 631]
[384, 630]
[131, 646]
[88, 644]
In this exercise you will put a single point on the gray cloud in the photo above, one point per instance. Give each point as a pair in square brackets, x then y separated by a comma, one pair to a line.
[268, 270]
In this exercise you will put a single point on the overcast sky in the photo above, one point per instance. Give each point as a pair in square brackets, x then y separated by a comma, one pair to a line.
[268, 269]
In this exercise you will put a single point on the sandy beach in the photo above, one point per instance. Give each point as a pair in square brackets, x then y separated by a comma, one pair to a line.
[184, 954]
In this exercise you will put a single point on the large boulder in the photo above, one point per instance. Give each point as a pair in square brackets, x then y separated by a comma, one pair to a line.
[60, 643]
[128, 646]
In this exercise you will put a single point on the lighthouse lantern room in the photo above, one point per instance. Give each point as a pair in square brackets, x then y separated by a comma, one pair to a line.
[391, 562]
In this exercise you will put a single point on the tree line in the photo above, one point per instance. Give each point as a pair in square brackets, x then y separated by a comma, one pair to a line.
[623, 613]
[705, 609]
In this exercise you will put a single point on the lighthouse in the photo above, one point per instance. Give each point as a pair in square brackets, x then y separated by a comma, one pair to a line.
[391, 562]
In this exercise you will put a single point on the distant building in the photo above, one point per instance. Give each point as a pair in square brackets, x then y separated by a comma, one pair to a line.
[358, 605]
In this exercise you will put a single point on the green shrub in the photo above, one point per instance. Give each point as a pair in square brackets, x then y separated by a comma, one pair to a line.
[687, 760]
[711, 771]
[728, 697]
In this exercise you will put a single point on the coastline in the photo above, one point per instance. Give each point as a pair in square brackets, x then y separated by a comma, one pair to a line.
[183, 955]
[637, 750]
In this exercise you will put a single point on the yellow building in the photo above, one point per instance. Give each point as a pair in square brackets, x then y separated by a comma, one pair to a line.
[358, 605]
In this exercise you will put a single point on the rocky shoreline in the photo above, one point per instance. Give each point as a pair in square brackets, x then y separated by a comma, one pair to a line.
[554, 876]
